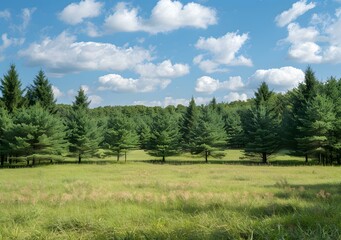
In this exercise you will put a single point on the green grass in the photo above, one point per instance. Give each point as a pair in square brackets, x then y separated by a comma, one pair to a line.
[150, 201]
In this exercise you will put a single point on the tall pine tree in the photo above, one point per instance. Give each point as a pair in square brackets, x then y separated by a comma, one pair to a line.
[189, 121]
[11, 90]
[40, 92]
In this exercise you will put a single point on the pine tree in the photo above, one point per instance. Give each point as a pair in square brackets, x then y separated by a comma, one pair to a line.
[81, 100]
[190, 119]
[164, 138]
[11, 90]
[36, 131]
[262, 125]
[209, 137]
[5, 124]
[41, 93]
[316, 126]
[120, 135]
[83, 133]
[234, 129]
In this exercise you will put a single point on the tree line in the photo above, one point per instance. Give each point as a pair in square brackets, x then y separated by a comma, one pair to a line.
[305, 121]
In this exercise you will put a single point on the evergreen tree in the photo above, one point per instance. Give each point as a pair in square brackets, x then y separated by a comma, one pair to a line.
[11, 90]
[234, 129]
[209, 136]
[81, 100]
[261, 128]
[120, 135]
[164, 136]
[36, 131]
[41, 93]
[5, 124]
[316, 126]
[189, 121]
[83, 133]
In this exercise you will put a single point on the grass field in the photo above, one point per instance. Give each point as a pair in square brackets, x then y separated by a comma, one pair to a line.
[152, 201]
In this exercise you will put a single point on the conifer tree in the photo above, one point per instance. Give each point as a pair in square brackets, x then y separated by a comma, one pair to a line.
[164, 136]
[5, 124]
[36, 131]
[11, 90]
[40, 92]
[120, 135]
[209, 137]
[81, 100]
[190, 119]
[262, 125]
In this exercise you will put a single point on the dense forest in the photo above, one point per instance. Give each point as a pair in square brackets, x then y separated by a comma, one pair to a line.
[305, 121]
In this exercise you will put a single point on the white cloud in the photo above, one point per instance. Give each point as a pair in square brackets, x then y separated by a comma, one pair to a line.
[117, 83]
[234, 96]
[7, 42]
[64, 54]
[26, 17]
[164, 69]
[303, 44]
[86, 89]
[75, 13]
[223, 52]
[173, 101]
[282, 78]
[91, 30]
[209, 85]
[296, 10]
[56, 92]
[167, 15]
[95, 100]
[5, 14]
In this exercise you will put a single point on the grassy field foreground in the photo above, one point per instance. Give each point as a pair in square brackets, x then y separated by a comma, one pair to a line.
[146, 201]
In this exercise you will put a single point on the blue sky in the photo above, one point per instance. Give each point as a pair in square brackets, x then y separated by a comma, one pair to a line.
[161, 52]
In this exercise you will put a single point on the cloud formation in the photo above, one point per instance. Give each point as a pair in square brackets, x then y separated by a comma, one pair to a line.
[5, 14]
[297, 9]
[76, 13]
[64, 54]
[209, 85]
[284, 78]
[234, 96]
[166, 16]
[222, 52]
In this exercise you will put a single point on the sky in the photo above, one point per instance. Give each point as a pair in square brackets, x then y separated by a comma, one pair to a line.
[163, 52]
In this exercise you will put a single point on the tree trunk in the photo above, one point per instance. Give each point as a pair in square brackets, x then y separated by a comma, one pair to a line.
[79, 158]
[264, 157]
[125, 156]
[118, 155]
[206, 156]
[33, 161]
[306, 158]
[163, 158]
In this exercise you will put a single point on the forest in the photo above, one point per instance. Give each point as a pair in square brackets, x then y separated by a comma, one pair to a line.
[305, 121]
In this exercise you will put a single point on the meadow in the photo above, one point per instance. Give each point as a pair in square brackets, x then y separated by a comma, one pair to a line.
[140, 200]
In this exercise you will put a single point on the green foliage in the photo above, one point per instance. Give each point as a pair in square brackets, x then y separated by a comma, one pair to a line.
[41, 93]
[189, 121]
[208, 137]
[83, 133]
[120, 135]
[164, 136]
[35, 131]
[81, 100]
[11, 90]
[262, 124]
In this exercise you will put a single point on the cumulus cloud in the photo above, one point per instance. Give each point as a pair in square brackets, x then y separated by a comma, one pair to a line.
[234, 96]
[64, 54]
[166, 16]
[296, 10]
[164, 69]
[281, 78]
[75, 13]
[5, 14]
[56, 92]
[222, 52]
[95, 101]
[117, 83]
[167, 101]
[209, 85]
[7, 42]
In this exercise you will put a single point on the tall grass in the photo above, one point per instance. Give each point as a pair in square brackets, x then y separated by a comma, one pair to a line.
[146, 201]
